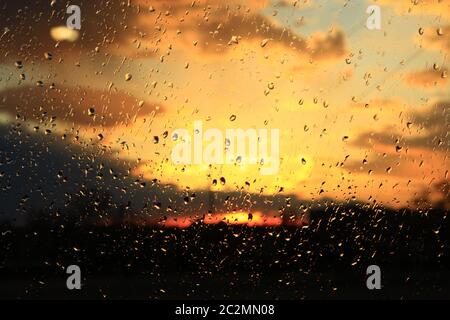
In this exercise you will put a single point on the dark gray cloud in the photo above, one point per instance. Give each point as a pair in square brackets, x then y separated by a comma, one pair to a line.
[216, 33]
[434, 125]
[42, 173]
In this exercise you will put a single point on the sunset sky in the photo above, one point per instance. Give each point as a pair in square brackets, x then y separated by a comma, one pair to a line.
[366, 110]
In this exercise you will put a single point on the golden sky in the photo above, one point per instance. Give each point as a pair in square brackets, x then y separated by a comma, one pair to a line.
[366, 110]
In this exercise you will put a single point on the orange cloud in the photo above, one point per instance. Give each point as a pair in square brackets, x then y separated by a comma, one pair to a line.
[418, 7]
[215, 28]
[427, 78]
[438, 39]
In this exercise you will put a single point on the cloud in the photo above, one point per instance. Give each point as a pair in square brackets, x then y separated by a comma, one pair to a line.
[438, 39]
[217, 33]
[71, 104]
[427, 78]
[436, 122]
[394, 165]
[66, 174]
[433, 125]
[419, 7]
[216, 28]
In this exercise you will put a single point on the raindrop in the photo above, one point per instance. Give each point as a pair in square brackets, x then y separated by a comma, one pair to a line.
[157, 205]
[232, 117]
[128, 77]
[91, 111]
[233, 40]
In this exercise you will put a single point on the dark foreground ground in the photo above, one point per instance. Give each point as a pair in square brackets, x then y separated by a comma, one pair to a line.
[327, 259]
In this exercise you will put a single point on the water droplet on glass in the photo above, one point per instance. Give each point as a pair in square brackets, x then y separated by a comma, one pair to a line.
[233, 40]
